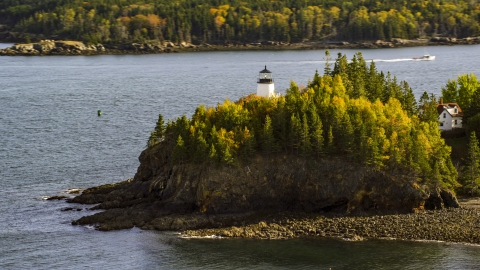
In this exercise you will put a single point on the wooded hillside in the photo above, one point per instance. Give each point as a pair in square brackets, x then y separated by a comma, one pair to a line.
[353, 112]
[218, 21]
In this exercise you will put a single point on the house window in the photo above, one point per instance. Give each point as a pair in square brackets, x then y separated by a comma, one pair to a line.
[441, 124]
[455, 122]
[456, 110]
[444, 115]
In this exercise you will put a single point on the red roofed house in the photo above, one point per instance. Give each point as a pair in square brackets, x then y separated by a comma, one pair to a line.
[449, 116]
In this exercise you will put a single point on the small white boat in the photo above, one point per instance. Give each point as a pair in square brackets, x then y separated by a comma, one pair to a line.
[426, 57]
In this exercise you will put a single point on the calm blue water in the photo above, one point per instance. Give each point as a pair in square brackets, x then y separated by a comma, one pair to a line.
[52, 140]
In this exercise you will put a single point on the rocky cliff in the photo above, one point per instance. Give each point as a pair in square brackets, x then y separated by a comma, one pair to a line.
[177, 197]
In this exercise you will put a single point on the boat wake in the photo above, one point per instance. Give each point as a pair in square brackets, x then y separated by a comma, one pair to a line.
[393, 60]
[397, 60]
[425, 57]
[421, 58]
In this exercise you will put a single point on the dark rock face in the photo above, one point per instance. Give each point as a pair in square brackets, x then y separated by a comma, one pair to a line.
[171, 197]
[449, 199]
[440, 199]
[434, 201]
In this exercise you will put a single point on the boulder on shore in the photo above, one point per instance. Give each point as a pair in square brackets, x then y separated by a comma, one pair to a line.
[62, 47]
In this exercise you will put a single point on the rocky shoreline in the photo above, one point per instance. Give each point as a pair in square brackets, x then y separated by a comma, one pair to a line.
[456, 225]
[353, 203]
[62, 47]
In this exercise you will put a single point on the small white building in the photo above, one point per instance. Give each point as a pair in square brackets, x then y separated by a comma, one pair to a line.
[265, 86]
[449, 116]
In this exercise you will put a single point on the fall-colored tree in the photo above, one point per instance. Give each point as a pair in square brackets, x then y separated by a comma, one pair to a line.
[320, 120]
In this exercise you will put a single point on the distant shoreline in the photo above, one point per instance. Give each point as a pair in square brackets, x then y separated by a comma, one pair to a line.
[50, 47]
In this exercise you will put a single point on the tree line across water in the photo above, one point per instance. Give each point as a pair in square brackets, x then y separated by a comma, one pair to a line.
[352, 112]
[215, 21]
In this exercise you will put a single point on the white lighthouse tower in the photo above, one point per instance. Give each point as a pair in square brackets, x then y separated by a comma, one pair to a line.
[265, 86]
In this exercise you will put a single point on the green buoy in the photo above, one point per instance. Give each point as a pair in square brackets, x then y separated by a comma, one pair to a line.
[99, 112]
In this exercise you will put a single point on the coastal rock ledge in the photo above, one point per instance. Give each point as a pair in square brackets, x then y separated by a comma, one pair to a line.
[65, 47]
[163, 196]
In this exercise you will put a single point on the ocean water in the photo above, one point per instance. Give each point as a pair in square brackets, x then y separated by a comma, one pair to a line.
[52, 140]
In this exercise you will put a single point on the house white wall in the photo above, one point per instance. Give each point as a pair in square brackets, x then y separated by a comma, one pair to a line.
[447, 121]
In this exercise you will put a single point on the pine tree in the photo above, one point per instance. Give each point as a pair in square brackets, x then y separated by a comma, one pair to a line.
[363, 144]
[305, 146]
[317, 137]
[152, 140]
[295, 131]
[249, 145]
[179, 151]
[374, 157]
[279, 123]
[212, 154]
[227, 156]
[374, 85]
[160, 128]
[471, 171]
[428, 108]
[330, 145]
[201, 148]
[346, 137]
[268, 141]
[408, 101]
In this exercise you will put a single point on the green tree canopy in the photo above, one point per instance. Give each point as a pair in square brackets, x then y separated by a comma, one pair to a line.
[470, 176]
[322, 120]
[114, 21]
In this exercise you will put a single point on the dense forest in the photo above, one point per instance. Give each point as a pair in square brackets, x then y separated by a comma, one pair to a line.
[465, 91]
[352, 112]
[218, 21]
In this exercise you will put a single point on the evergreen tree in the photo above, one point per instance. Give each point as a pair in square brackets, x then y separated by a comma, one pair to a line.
[374, 157]
[160, 128]
[179, 152]
[212, 153]
[153, 139]
[409, 104]
[375, 84]
[250, 144]
[268, 141]
[330, 145]
[305, 146]
[201, 148]
[280, 123]
[317, 137]
[356, 74]
[346, 134]
[363, 144]
[295, 131]
[470, 177]
[428, 108]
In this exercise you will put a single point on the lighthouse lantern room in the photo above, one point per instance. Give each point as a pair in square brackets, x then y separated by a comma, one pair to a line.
[265, 86]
